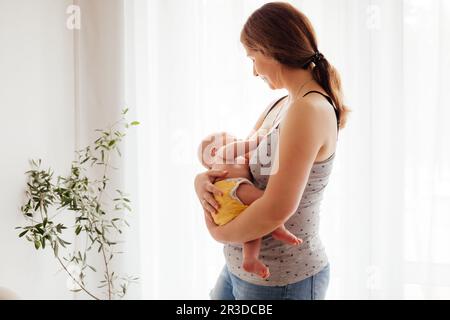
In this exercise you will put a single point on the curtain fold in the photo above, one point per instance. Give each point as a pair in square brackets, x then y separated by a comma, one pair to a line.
[101, 86]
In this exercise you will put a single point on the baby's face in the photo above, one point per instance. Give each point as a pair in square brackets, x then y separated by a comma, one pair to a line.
[208, 148]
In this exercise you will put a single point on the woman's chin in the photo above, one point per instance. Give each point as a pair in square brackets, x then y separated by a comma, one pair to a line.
[271, 86]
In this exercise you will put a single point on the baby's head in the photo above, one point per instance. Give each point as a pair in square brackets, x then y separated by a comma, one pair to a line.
[208, 147]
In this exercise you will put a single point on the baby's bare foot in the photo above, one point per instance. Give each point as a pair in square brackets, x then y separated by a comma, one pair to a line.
[286, 236]
[257, 267]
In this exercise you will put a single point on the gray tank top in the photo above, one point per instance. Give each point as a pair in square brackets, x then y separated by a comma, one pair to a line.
[287, 264]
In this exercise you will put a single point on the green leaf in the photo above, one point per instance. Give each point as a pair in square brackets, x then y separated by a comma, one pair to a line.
[55, 249]
[135, 123]
[78, 230]
[40, 230]
[124, 111]
[62, 242]
[37, 244]
[60, 227]
[23, 233]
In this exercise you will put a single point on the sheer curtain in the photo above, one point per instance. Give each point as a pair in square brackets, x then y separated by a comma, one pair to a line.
[386, 210]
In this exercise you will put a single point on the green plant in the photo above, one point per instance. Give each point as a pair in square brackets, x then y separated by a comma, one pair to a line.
[96, 224]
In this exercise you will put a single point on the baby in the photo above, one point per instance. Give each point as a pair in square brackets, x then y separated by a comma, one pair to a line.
[223, 151]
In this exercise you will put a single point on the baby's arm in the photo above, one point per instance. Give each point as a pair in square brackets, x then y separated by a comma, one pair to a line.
[248, 193]
[240, 148]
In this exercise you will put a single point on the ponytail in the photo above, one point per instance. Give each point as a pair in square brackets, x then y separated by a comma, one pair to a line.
[328, 78]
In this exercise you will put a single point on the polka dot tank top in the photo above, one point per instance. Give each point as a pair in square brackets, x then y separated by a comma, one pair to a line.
[287, 264]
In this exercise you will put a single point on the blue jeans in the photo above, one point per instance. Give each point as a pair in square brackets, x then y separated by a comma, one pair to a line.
[230, 287]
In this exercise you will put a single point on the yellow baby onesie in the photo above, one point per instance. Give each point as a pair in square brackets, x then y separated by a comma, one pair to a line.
[230, 205]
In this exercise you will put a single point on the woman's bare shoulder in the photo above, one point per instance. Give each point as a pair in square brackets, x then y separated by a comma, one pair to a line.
[304, 124]
[312, 121]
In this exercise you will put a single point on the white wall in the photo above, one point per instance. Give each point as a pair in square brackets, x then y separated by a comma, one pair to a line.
[56, 87]
[37, 112]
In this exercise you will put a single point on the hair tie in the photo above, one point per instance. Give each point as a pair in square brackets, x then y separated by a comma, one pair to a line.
[317, 57]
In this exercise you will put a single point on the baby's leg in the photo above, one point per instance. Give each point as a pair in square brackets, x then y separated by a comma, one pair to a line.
[251, 263]
[282, 234]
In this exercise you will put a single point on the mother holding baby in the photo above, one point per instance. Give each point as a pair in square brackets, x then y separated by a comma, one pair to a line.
[301, 144]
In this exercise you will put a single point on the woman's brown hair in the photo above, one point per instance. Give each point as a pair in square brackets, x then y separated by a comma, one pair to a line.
[282, 32]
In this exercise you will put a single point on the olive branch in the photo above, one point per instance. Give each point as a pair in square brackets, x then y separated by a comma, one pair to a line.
[80, 197]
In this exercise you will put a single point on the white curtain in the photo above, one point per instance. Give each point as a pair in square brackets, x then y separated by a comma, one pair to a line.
[100, 97]
[386, 209]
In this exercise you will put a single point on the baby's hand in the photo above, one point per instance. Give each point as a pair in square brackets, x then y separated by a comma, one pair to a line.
[221, 152]
[226, 152]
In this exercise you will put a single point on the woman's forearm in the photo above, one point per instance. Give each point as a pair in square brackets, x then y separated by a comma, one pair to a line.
[254, 222]
[211, 226]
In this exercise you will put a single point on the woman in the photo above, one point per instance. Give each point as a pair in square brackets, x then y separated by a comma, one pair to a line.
[282, 44]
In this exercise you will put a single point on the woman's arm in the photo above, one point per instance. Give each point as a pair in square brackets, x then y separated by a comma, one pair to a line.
[302, 136]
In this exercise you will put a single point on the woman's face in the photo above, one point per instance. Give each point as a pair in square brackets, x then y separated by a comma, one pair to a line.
[265, 67]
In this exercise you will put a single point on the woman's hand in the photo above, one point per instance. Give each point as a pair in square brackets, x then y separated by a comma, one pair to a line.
[206, 190]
